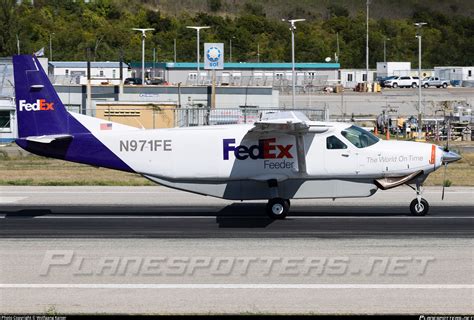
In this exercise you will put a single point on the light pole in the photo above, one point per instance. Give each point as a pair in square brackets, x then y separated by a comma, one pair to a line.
[197, 48]
[143, 31]
[174, 48]
[230, 49]
[420, 111]
[293, 80]
[51, 46]
[258, 52]
[18, 43]
[385, 49]
[367, 45]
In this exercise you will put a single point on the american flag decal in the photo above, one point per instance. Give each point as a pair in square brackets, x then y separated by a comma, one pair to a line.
[105, 126]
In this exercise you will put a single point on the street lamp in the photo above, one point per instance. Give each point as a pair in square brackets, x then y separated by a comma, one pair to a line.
[385, 49]
[418, 35]
[292, 23]
[367, 45]
[51, 46]
[197, 48]
[143, 31]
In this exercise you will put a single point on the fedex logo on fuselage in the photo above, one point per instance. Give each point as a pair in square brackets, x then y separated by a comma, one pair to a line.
[39, 105]
[265, 149]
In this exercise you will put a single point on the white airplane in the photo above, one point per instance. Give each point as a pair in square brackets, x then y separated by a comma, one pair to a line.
[283, 156]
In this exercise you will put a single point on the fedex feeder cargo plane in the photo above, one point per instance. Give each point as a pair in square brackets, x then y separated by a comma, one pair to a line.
[282, 156]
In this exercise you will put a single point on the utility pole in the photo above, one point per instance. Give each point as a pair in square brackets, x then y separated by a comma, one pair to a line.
[258, 52]
[154, 62]
[367, 45]
[18, 43]
[174, 46]
[51, 46]
[385, 49]
[420, 111]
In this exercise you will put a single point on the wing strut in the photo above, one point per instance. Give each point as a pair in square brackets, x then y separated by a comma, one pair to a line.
[300, 153]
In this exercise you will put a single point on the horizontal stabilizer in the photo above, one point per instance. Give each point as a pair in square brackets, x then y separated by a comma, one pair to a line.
[49, 138]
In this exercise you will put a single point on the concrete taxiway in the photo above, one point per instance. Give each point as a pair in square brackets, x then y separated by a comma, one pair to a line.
[156, 250]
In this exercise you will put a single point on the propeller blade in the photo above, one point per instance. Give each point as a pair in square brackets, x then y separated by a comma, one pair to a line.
[444, 180]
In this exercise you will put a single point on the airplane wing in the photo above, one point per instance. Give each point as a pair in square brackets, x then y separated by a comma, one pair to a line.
[289, 122]
[292, 123]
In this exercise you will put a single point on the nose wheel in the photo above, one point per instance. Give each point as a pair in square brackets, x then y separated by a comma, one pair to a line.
[278, 208]
[419, 208]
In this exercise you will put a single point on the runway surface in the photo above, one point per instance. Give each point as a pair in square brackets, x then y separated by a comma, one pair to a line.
[156, 212]
[155, 250]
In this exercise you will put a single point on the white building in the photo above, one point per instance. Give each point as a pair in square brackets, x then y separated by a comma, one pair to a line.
[277, 75]
[455, 73]
[351, 77]
[8, 129]
[103, 72]
[387, 69]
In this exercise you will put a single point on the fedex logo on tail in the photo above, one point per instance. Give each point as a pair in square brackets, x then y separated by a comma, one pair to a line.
[266, 149]
[39, 105]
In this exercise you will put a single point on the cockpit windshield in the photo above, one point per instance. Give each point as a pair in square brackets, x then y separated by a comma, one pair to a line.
[359, 137]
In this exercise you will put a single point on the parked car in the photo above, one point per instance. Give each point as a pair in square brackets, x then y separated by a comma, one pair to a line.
[137, 81]
[382, 80]
[156, 82]
[404, 81]
[435, 82]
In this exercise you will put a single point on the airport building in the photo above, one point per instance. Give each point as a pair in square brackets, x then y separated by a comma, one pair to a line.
[459, 75]
[276, 75]
[7, 105]
[351, 77]
[103, 72]
[392, 68]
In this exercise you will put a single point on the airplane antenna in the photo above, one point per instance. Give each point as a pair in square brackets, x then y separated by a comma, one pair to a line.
[444, 180]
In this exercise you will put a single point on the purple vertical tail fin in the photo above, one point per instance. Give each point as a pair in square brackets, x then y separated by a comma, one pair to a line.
[39, 109]
[40, 112]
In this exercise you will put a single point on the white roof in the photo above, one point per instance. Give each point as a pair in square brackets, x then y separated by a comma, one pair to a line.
[83, 64]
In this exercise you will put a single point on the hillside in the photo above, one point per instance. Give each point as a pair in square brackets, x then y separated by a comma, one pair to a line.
[314, 9]
[105, 28]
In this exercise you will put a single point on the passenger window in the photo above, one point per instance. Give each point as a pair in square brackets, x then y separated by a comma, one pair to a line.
[333, 142]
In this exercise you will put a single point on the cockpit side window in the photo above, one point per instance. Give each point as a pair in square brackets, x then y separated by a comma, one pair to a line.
[333, 142]
[359, 137]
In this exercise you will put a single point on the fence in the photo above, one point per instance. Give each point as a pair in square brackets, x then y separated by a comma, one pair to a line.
[187, 117]
[151, 117]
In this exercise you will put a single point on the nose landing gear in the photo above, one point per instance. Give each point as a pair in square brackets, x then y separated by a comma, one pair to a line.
[419, 206]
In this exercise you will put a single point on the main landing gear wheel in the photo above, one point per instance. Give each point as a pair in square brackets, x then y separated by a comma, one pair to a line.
[278, 208]
[419, 209]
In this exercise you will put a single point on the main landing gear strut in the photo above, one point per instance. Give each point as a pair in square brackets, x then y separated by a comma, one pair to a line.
[419, 206]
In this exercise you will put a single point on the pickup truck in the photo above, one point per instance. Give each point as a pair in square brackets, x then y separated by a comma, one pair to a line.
[435, 82]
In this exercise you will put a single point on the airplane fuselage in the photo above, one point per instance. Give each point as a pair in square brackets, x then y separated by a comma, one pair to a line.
[231, 162]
